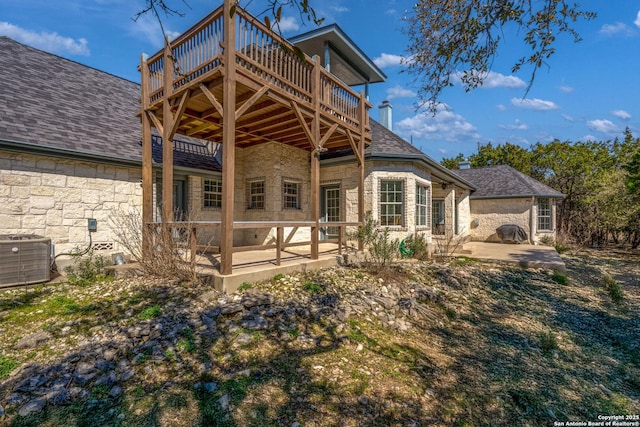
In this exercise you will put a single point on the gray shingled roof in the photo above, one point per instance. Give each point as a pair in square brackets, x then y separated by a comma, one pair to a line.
[386, 145]
[504, 181]
[48, 102]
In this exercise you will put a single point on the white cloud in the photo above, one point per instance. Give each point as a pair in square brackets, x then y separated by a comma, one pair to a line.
[565, 89]
[518, 125]
[399, 92]
[340, 9]
[637, 21]
[501, 107]
[148, 28]
[604, 126]
[289, 23]
[621, 114]
[51, 42]
[391, 12]
[493, 80]
[614, 29]
[589, 137]
[568, 118]
[444, 126]
[534, 104]
[388, 60]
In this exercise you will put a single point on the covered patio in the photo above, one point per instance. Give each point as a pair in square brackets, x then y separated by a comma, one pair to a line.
[233, 81]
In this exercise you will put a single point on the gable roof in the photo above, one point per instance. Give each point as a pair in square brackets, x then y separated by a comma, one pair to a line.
[386, 145]
[55, 106]
[502, 181]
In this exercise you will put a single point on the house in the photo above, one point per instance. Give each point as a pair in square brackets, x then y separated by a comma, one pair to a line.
[504, 195]
[70, 150]
[257, 147]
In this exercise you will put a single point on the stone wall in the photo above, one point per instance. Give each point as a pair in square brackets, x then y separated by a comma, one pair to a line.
[55, 197]
[489, 214]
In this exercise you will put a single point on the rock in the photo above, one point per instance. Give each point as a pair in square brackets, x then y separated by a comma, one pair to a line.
[224, 402]
[231, 309]
[115, 391]
[253, 299]
[126, 374]
[104, 365]
[254, 322]
[58, 397]
[83, 379]
[15, 399]
[34, 406]
[210, 387]
[2, 413]
[243, 339]
[360, 347]
[31, 383]
[33, 340]
[363, 400]
[84, 368]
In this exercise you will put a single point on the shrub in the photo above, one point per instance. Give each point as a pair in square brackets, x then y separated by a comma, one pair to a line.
[7, 364]
[418, 246]
[150, 312]
[382, 250]
[613, 288]
[548, 342]
[559, 277]
[87, 269]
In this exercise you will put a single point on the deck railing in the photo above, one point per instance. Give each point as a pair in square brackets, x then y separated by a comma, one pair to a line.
[262, 53]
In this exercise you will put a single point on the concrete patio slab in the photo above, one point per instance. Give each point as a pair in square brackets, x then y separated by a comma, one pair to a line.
[523, 255]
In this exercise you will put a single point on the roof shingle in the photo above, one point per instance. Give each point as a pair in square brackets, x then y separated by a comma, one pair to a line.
[504, 181]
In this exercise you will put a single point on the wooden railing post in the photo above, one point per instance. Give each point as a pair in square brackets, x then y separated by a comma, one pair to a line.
[362, 119]
[193, 243]
[279, 239]
[147, 160]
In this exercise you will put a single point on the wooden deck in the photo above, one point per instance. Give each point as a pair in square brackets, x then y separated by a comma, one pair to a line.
[231, 80]
[277, 94]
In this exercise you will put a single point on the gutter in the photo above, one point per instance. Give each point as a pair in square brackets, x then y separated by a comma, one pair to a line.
[518, 196]
[438, 170]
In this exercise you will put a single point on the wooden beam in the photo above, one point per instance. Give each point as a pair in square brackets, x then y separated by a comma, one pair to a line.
[363, 116]
[228, 139]
[182, 104]
[256, 96]
[303, 124]
[156, 122]
[212, 98]
[315, 161]
[328, 135]
[354, 147]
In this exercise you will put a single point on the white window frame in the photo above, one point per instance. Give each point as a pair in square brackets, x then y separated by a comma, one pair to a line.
[544, 215]
[391, 198]
[212, 193]
[256, 200]
[423, 209]
[290, 194]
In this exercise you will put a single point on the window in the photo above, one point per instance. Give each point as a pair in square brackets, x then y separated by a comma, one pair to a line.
[212, 193]
[437, 215]
[422, 202]
[256, 194]
[290, 195]
[391, 201]
[544, 214]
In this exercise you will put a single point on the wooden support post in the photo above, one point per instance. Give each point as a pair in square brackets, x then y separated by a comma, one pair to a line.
[167, 138]
[228, 139]
[315, 160]
[147, 160]
[340, 228]
[362, 116]
[279, 240]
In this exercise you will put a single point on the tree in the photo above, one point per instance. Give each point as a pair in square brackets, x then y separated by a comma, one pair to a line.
[446, 35]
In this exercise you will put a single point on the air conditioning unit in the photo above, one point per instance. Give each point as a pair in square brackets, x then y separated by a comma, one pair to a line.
[24, 259]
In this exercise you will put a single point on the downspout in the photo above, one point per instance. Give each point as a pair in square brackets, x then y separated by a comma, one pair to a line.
[531, 218]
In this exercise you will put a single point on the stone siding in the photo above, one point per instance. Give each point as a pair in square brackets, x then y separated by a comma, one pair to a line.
[489, 214]
[55, 197]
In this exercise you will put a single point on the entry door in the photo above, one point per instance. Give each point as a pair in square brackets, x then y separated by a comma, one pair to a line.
[330, 211]
[179, 199]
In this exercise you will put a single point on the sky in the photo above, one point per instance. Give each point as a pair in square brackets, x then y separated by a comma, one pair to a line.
[587, 91]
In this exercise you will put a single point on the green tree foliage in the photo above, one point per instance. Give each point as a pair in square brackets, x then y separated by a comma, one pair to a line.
[598, 179]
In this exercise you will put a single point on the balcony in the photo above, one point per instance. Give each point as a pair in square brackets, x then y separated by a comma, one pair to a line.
[278, 91]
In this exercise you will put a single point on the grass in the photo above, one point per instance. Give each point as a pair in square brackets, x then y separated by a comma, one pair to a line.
[7, 364]
[559, 277]
[511, 347]
[150, 313]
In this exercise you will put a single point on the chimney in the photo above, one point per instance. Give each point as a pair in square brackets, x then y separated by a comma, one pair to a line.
[465, 164]
[385, 114]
